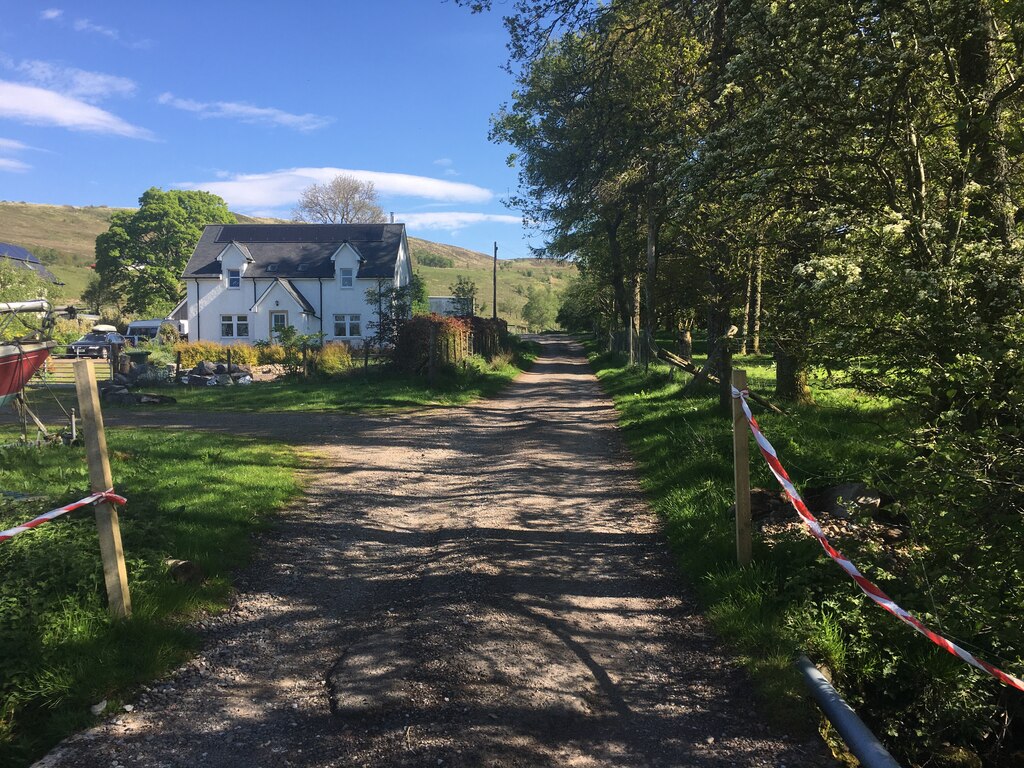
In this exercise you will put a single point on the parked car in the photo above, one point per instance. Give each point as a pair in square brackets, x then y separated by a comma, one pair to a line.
[100, 342]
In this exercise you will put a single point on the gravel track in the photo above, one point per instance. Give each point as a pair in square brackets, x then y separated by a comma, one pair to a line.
[481, 586]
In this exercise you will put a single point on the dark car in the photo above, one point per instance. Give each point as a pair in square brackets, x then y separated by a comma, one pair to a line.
[97, 344]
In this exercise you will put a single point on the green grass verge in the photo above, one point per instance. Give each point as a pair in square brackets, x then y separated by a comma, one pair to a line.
[785, 600]
[192, 496]
[375, 389]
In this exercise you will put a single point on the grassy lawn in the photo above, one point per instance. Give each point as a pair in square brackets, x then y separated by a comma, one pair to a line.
[192, 496]
[359, 390]
[787, 600]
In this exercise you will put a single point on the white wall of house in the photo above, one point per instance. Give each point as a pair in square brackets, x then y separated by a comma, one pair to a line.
[341, 312]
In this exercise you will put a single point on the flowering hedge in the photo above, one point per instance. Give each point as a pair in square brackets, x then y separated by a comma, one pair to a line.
[451, 342]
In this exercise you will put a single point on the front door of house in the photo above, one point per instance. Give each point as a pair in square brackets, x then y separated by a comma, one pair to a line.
[278, 322]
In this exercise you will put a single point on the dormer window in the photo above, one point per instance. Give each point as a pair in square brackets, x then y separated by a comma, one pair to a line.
[234, 278]
[346, 277]
[271, 267]
[302, 268]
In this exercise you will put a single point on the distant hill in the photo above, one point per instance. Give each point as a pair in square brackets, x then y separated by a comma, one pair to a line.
[64, 239]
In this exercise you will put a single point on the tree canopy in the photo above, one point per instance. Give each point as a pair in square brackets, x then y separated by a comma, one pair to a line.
[143, 253]
[342, 200]
[844, 184]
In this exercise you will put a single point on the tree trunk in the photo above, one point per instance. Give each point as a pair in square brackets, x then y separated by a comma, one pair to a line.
[745, 321]
[622, 302]
[756, 309]
[791, 377]
[652, 270]
[685, 344]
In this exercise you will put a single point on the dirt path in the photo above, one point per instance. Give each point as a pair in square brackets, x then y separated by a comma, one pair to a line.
[481, 586]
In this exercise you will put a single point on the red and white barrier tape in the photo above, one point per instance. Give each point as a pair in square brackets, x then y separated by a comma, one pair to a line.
[870, 589]
[107, 495]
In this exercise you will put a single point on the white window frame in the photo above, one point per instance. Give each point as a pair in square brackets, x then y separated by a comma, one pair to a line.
[346, 273]
[275, 331]
[236, 275]
[234, 321]
[346, 321]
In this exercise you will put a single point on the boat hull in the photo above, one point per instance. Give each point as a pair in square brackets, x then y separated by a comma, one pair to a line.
[18, 362]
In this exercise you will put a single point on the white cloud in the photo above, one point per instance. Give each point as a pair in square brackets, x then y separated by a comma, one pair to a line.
[39, 106]
[51, 14]
[444, 162]
[246, 113]
[13, 166]
[454, 220]
[77, 83]
[281, 189]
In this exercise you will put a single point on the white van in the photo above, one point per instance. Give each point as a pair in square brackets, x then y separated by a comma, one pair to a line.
[144, 329]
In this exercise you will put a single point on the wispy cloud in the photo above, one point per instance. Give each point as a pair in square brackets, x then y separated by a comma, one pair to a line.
[281, 189]
[447, 163]
[85, 25]
[40, 106]
[11, 165]
[454, 220]
[89, 26]
[77, 83]
[8, 146]
[246, 113]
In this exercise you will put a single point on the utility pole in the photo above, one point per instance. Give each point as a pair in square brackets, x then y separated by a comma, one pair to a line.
[494, 303]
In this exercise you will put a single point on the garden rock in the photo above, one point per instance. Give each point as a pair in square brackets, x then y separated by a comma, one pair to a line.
[223, 380]
[205, 368]
[195, 380]
[846, 501]
[766, 504]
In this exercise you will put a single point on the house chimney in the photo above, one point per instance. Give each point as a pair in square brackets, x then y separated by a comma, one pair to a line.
[392, 217]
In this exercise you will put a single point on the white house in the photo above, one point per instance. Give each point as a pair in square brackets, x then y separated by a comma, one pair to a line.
[245, 281]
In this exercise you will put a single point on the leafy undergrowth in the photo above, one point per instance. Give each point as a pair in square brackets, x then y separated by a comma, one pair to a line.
[793, 598]
[192, 496]
[375, 389]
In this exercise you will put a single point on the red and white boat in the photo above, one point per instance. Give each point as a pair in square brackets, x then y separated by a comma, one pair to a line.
[21, 356]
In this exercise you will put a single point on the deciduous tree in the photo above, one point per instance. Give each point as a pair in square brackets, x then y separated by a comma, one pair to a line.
[342, 200]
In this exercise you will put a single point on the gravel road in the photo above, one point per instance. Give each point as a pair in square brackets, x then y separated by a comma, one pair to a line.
[481, 586]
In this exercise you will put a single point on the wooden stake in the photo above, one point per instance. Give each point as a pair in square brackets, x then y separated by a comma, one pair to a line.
[115, 574]
[741, 470]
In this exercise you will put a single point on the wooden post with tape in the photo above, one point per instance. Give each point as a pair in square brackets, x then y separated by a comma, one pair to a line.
[741, 470]
[115, 574]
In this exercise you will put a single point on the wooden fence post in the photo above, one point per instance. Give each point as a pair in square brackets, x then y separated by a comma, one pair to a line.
[741, 470]
[177, 367]
[432, 355]
[115, 574]
[229, 361]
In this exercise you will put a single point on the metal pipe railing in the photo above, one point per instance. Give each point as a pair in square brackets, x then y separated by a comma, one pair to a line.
[858, 737]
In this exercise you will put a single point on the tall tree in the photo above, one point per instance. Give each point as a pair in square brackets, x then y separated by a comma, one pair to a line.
[143, 253]
[342, 200]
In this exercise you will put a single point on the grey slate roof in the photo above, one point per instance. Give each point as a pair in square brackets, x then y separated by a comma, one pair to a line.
[24, 259]
[298, 250]
[291, 290]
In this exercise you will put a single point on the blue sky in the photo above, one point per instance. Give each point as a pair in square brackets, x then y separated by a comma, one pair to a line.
[254, 101]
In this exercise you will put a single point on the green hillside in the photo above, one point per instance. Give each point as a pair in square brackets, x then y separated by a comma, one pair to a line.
[515, 276]
[64, 236]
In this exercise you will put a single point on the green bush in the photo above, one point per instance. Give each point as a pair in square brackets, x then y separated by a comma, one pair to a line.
[269, 353]
[334, 358]
[194, 352]
[435, 260]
